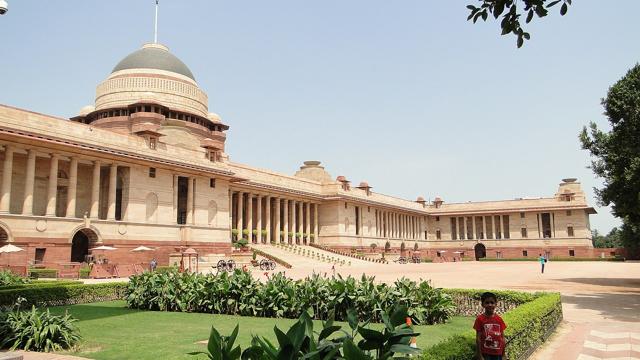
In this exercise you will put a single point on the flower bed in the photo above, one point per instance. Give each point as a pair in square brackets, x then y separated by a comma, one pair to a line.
[281, 297]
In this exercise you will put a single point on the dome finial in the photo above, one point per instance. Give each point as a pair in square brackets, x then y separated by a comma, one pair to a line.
[155, 29]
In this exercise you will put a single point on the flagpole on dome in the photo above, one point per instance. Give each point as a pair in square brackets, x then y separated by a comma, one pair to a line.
[155, 32]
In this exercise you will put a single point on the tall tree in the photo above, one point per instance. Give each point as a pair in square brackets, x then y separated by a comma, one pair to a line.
[616, 154]
[513, 10]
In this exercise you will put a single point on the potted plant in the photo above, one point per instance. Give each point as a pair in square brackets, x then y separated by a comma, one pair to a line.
[402, 247]
[415, 246]
[234, 234]
[373, 247]
[387, 246]
[241, 244]
[245, 233]
[255, 234]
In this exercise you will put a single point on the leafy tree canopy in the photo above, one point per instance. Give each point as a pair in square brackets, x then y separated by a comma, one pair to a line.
[512, 12]
[616, 154]
[612, 240]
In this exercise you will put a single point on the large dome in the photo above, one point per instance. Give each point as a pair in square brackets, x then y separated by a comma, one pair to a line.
[154, 56]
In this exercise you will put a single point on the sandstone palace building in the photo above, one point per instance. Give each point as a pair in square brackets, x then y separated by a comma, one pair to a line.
[147, 166]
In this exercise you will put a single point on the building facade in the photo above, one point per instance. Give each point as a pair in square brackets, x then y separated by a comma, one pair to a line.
[146, 165]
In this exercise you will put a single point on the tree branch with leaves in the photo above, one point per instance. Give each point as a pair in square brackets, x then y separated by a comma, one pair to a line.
[512, 11]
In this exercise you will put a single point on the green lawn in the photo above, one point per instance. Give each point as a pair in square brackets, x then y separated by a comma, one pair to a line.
[111, 331]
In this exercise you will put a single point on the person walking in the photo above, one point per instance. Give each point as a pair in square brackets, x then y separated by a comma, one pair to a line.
[543, 261]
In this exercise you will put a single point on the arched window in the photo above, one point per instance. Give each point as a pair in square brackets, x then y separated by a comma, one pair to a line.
[152, 207]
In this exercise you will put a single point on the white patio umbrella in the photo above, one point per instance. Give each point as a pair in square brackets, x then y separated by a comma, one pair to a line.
[8, 249]
[143, 248]
[457, 252]
[104, 247]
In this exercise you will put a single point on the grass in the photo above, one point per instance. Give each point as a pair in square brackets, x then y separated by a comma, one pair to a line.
[111, 331]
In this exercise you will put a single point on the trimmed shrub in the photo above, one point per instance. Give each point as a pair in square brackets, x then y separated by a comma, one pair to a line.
[528, 326]
[65, 294]
[40, 283]
[43, 273]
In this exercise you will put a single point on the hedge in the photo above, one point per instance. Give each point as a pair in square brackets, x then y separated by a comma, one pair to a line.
[40, 283]
[467, 301]
[271, 257]
[528, 326]
[43, 273]
[65, 294]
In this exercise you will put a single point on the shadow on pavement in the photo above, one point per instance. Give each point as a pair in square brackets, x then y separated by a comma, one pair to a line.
[632, 284]
[614, 306]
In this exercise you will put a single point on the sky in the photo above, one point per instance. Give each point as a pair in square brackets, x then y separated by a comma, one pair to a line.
[406, 95]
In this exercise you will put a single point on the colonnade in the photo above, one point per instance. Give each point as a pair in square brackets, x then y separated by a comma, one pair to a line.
[390, 224]
[52, 186]
[475, 227]
[278, 217]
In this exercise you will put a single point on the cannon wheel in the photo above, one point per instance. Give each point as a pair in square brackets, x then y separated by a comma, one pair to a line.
[272, 264]
[402, 260]
[231, 265]
[264, 264]
[222, 266]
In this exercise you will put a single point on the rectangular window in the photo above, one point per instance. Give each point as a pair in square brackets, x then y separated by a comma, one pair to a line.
[40, 255]
[569, 230]
[212, 183]
[523, 232]
[568, 212]
[522, 215]
[525, 253]
[152, 172]
[437, 218]
[438, 234]
[498, 254]
[152, 143]
[572, 253]
[345, 205]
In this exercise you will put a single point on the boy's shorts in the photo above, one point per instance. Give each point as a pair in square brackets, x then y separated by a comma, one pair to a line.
[492, 357]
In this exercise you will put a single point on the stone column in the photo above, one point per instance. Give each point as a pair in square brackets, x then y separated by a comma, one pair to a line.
[294, 220]
[267, 218]
[95, 191]
[240, 201]
[250, 216]
[502, 227]
[191, 219]
[464, 227]
[308, 217]
[286, 220]
[113, 181]
[300, 220]
[73, 185]
[495, 230]
[473, 227]
[52, 191]
[276, 219]
[175, 197]
[484, 227]
[316, 226]
[259, 218]
[27, 205]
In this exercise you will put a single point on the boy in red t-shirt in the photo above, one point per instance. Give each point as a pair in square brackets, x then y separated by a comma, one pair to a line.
[489, 330]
